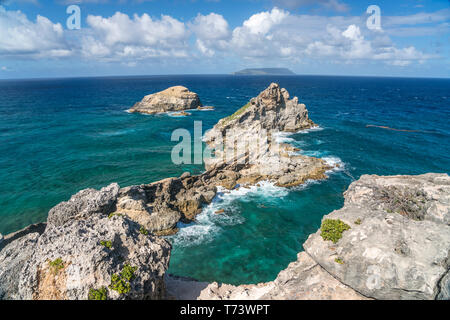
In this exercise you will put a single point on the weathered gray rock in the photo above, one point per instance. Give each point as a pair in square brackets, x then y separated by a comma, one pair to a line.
[13, 257]
[303, 279]
[159, 206]
[176, 98]
[32, 228]
[395, 249]
[250, 137]
[444, 293]
[69, 260]
[84, 204]
[423, 197]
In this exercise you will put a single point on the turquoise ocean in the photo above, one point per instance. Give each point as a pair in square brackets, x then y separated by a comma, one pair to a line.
[58, 136]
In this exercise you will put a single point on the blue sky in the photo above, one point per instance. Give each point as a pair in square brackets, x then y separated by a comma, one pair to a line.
[139, 37]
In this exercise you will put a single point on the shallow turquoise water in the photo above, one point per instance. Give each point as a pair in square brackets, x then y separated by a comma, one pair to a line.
[62, 135]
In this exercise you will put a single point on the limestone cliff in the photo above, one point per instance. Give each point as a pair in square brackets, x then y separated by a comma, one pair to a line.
[85, 253]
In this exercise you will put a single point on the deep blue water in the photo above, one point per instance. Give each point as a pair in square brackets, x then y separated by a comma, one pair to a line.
[61, 135]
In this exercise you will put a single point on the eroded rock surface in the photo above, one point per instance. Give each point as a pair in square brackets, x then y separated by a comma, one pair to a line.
[395, 244]
[84, 204]
[398, 244]
[249, 137]
[85, 253]
[303, 279]
[176, 98]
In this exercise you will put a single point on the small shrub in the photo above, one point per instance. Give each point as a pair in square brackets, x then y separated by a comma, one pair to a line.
[98, 294]
[358, 221]
[118, 284]
[143, 231]
[114, 214]
[128, 272]
[121, 282]
[56, 265]
[339, 260]
[332, 229]
[107, 244]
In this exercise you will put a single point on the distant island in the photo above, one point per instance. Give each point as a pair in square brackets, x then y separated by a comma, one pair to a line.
[264, 72]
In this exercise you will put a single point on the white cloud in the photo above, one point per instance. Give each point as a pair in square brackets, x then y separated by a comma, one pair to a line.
[275, 36]
[418, 18]
[334, 5]
[139, 37]
[280, 34]
[22, 37]
[353, 33]
[212, 32]
[210, 27]
[262, 23]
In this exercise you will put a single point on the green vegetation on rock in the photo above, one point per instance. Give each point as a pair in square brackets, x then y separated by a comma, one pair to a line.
[56, 265]
[107, 244]
[236, 114]
[332, 229]
[114, 214]
[339, 260]
[98, 294]
[121, 282]
[358, 221]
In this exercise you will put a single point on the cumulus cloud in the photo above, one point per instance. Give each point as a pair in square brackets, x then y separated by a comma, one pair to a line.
[22, 37]
[139, 37]
[212, 33]
[278, 34]
[273, 36]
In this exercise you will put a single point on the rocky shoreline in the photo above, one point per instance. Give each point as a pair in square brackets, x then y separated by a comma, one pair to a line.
[396, 245]
[391, 240]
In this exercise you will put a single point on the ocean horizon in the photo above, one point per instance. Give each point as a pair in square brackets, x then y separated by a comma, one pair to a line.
[61, 135]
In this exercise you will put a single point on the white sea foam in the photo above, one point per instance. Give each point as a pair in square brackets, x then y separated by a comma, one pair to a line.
[305, 185]
[117, 132]
[283, 137]
[305, 131]
[209, 224]
[336, 163]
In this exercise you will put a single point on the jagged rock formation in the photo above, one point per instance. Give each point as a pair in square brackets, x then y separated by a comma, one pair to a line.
[85, 203]
[176, 98]
[84, 254]
[396, 245]
[249, 137]
[161, 205]
[391, 240]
